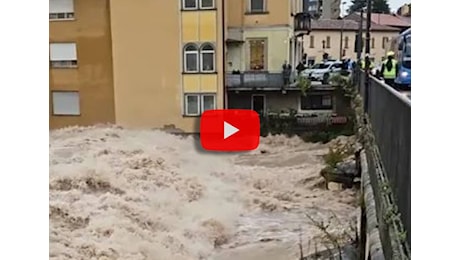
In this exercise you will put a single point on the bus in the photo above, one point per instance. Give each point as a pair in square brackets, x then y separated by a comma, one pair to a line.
[401, 46]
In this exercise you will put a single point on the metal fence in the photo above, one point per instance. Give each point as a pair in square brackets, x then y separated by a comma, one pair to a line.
[255, 79]
[389, 113]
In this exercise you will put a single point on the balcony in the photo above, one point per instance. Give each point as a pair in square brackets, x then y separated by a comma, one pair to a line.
[254, 80]
[302, 22]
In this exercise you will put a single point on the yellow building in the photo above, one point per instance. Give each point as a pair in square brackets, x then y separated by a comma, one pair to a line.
[260, 35]
[143, 63]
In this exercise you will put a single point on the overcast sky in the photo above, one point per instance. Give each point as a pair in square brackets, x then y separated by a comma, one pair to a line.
[394, 4]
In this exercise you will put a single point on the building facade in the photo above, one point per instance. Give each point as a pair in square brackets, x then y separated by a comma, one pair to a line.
[326, 37]
[81, 68]
[143, 63]
[162, 63]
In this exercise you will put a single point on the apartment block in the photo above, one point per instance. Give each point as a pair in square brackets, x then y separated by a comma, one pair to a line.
[141, 64]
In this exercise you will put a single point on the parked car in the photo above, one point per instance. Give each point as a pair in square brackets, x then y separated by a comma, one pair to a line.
[322, 71]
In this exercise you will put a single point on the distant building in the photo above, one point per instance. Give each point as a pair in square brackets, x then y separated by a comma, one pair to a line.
[404, 10]
[325, 38]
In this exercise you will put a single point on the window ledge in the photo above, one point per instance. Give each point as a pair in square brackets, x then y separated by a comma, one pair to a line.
[66, 68]
[199, 72]
[62, 115]
[191, 115]
[62, 20]
[256, 12]
[198, 9]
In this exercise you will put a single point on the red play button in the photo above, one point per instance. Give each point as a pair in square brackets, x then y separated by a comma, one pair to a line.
[230, 130]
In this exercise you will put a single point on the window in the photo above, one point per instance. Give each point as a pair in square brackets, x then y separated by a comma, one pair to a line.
[384, 42]
[372, 43]
[61, 10]
[196, 104]
[190, 4]
[312, 41]
[207, 58]
[208, 102]
[192, 105]
[257, 54]
[328, 42]
[316, 102]
[66, 103]
[191, 58]
[346, 42]
[206, 4]
[311, 61]
[256, 6]
[336, 66]
[63, 55]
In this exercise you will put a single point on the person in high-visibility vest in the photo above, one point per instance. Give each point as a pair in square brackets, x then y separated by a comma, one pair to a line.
[389, 69]
[362, 63]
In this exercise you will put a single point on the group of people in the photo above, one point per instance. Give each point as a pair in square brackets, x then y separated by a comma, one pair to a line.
[388, 69]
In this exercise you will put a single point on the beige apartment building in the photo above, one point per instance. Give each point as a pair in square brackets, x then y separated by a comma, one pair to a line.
[326, 36]
[143, 63]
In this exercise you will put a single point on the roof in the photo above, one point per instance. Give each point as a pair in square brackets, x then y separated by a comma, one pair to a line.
[383, 19]
[390, 20]
[346, 24]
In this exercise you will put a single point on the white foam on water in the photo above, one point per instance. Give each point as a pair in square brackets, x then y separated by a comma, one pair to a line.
[143, 194]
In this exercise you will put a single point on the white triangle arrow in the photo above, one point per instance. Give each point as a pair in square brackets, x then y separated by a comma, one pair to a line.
[229, 130]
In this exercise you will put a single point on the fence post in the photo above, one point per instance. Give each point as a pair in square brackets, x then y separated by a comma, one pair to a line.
[366, 92]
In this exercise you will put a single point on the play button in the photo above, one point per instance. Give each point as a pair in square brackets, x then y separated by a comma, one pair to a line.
[229, 130]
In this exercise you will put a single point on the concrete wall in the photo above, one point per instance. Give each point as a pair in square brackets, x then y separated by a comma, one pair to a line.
[275, 101]
[277, 13]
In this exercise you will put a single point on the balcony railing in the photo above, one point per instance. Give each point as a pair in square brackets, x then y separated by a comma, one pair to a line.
[302, 22]
[254, 80]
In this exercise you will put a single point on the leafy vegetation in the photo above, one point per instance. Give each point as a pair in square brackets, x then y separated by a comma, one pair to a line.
[304, 84]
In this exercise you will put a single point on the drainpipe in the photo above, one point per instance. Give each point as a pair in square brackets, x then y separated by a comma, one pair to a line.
[224, 67]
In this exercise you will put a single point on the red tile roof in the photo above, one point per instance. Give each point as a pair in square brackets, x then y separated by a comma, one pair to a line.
[389, 20]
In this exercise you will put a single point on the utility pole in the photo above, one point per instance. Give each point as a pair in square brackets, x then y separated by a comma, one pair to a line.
[368, 50]
[368, 30]
[341, 41]
[341, 34]
[360, 35]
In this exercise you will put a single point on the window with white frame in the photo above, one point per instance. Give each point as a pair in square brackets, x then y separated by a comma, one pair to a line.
[61, 10]
[316, 102]
[191, 58]
[207, 58]
[206, 4]
[190, 4]
[66, 103]
[63, 55]
[192, 104]
[208, 102]
[196, 104]
[256, 6]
